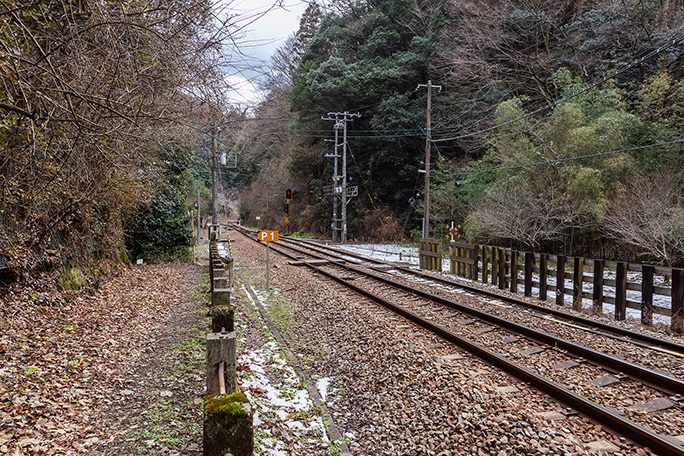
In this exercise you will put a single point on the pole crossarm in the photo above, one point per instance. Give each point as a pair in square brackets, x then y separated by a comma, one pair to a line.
[428, 139]
[340, 119]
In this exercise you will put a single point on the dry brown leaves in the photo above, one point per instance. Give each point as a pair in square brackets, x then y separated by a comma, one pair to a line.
[64, 356]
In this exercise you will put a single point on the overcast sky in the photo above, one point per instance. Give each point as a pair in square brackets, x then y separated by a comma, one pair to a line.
[261, 39]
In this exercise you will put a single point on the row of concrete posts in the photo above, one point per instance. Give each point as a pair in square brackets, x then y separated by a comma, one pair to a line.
[228, 414]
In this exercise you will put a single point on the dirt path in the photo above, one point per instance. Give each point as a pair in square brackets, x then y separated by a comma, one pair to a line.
[117, 371]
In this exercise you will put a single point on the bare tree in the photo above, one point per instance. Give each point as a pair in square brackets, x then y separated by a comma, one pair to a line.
[649, 215]
[522, 215]
[93, 97]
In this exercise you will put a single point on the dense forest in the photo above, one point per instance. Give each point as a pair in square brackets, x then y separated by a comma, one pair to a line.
[106, 109]
[558, 127]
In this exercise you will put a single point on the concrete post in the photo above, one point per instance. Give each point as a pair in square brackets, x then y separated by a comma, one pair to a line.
[221, 349]
[222, 318]
[228, 425]
[220, 297]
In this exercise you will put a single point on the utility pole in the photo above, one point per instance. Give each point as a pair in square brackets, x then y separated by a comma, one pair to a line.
[341, 119]
[335, 155]
[199, 218]
[428, 139]
[214, 176]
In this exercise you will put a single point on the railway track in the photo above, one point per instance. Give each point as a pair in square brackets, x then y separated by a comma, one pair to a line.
[537, 357]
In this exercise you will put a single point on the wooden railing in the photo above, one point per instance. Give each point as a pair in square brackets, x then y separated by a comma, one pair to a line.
[430, 254]
[621, 284]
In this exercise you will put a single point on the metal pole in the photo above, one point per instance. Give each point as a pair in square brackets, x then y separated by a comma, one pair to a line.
[343, 238]
[268, 263]
[334, 198]
[214, 178]
[426, 226]
[199, 218]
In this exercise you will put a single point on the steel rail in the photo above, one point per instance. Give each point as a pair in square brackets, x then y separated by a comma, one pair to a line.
[611, 420]
[656, 380]
[596, 327]
[626, 427]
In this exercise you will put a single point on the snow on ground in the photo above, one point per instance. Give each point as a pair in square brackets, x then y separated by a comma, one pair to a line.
[409, 256]
[284, 412]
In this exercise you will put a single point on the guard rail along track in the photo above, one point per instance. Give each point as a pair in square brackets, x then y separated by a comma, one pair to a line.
[592, 410]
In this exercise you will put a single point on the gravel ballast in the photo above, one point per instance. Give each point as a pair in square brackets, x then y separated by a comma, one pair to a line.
[394, 389]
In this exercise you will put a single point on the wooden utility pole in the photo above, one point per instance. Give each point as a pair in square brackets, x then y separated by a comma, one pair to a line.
[214, 177]
[428, 139]
[199, 217]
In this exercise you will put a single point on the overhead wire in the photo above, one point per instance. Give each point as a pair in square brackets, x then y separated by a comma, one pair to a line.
[441, 135]
[568, 159]
[548, 105]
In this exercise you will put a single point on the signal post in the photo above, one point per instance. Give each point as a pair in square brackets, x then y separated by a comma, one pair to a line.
[267, 237]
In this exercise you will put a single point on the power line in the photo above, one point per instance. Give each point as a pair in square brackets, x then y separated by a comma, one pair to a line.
[553, 103]
[567, 159]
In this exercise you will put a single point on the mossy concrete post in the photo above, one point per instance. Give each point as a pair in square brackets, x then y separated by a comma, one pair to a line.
[220, 297]
[222, 319]
[221, 349]
[228, 425]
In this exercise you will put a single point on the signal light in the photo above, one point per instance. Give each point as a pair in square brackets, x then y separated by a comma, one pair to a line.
[288, 193]
[287, 208]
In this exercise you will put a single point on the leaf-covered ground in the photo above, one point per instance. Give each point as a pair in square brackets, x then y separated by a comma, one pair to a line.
[118, 370]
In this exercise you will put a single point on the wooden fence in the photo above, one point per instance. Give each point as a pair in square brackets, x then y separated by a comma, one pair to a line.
[624, 285]
[430, 254]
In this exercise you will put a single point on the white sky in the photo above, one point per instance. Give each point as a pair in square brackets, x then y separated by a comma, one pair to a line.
[262, 38]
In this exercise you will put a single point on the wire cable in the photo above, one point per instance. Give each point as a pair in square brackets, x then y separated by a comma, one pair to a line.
[567, 159]
[553, 103]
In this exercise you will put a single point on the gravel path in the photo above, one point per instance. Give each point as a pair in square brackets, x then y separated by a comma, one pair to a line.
[400, 391]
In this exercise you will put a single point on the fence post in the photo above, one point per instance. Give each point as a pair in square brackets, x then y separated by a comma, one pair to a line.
[578, 275]
[502, 268]
[560, 280]
[677, 318]
[485, 266]
[543, 270]
[495, 265]
[467, 269]
[647, 294]
[476, 260]
[221, 349]
[597, 301]
[529, 264]
[621, 291]
[228, 425]
[222, 319]
[220, 297]
[514, 271]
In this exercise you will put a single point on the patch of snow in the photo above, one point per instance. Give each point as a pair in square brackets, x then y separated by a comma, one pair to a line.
[322, 387]
[283, 400]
